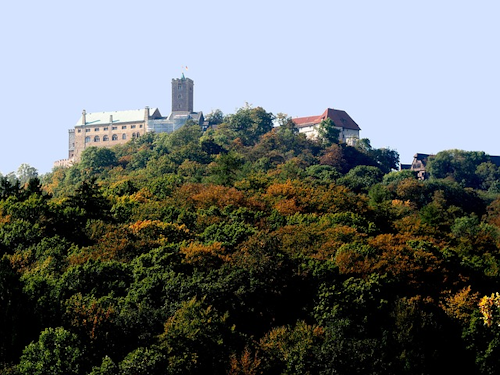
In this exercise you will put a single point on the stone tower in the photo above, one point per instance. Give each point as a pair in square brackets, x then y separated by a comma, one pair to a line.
[182, 94]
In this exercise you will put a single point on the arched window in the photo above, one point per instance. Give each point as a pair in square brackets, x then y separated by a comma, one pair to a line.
[133, 135]
[124, 136]
[97, 139]
[105, 138]
[114, 137]
[87, 139]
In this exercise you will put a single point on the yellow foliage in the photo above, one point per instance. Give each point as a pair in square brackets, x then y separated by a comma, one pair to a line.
[141, 196]
[200, 254]
[489, 307]
[461, 304]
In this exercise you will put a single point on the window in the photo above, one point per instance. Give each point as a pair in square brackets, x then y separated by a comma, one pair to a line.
[179, 96]
[79, 130]
[105, 138]
[132, 126]
[114, 137]
[96, 129]
[124, 136]
[179, 86]
[87, 130]
[87, 139]
[97, 139]
[140, 126]
[114, 128]
[106, 128]
[124, 126]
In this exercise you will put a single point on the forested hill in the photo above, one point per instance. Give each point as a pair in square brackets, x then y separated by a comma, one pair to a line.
[249, 249]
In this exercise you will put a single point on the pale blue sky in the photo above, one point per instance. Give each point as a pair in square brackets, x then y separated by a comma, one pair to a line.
[417, 76]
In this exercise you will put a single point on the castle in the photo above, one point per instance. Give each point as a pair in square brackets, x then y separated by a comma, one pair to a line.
[107, 129]
[348, 129]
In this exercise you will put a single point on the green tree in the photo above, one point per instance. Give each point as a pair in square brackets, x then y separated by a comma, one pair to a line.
[89, 198]
[8, 187]
[489, 177]
[215, 117]
[197, 339]
[225, 168]
[16, 318]
[57, 352]
[249, 124]
[328, 132]
[361, 178]
[108, 367]
[25, 172]
[96, 159]
[458, 165]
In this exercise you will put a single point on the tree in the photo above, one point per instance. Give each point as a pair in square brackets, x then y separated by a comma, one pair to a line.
[8, 187]
[89, 198]
[361, 178]
[96, 159]
[225, 168]
[328, 132]
[250, 124]
[384, 158]
[57, 352]
[458, 165]
[197, 339]
[25, 172]
[489, 176]
[215, 117]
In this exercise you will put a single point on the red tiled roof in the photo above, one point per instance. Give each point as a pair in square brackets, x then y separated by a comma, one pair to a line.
[339, 118]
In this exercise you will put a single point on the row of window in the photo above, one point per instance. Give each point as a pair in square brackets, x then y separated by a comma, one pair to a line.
[114, 137]
[106, 128]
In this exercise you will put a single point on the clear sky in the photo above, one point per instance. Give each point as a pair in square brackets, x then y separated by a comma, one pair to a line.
[417, 76]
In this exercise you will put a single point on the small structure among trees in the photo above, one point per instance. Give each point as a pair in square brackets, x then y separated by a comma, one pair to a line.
[348, 130]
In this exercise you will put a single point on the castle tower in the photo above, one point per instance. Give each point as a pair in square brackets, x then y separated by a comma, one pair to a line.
[182, 94]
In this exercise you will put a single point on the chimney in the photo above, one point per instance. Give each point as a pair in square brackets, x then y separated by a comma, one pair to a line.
[84, 117]
[146, 118]
[111, 119]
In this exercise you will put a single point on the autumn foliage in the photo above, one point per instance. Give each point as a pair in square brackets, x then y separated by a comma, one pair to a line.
[250, 249]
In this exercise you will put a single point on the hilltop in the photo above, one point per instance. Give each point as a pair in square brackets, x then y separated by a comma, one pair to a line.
[251, 249]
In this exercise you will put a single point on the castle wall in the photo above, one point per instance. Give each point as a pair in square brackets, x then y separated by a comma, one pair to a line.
[105, 135]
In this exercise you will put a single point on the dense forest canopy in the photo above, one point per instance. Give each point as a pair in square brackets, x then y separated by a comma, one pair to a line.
[250, 249]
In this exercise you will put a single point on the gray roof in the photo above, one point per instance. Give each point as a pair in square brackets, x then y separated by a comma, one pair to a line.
[134, 115]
